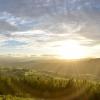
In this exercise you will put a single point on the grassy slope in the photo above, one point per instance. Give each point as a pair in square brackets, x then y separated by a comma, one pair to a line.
[38, 84]
[50, 80]
[9, 97]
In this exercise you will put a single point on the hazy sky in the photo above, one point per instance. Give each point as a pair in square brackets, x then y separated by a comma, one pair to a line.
[42, 26]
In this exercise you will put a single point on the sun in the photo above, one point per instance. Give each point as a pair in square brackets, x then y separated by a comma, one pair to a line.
[71, 49]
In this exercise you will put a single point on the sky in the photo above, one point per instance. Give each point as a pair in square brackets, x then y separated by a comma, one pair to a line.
[41, 27]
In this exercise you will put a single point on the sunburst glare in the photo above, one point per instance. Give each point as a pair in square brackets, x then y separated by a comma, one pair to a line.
[71, 49]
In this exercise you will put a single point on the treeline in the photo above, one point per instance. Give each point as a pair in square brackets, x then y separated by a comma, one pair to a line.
[45, 86]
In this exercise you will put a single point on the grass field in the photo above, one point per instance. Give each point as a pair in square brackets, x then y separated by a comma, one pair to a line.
[33, 84]
[9, 97]
[20, 83]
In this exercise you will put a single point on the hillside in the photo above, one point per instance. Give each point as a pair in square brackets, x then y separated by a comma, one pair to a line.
[77, 68]
[21, 83]
[49, 79]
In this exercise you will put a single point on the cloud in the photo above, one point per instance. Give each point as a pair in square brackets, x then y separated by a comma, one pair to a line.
[42, 38]
[91, 31]
[2, 37]
[12, 43]
[4, 26]
[38, 8]
[16, 23]
[48, 23]
[55, 16]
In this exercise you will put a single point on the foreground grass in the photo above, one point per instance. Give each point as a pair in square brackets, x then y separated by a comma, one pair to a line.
[9, 97]
[21, 84]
